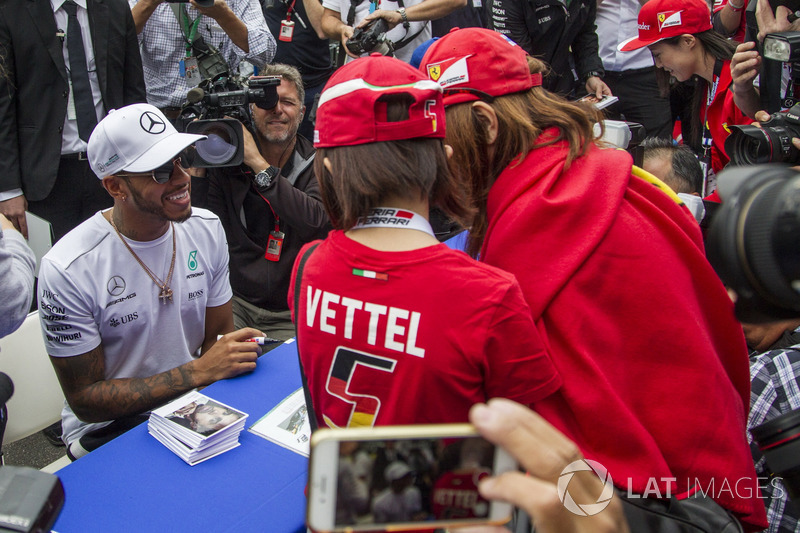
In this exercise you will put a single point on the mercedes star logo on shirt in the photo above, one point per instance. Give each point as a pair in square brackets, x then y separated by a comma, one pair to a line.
[152, 123]
[116, 286]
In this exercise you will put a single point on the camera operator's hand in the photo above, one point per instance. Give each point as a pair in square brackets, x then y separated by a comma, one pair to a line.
[218, 9]
[543, 452]
[347, 32]
[392, 18]
[760, 116]
[745, 66]
[769, 22]
[252, 156]
[228, 21]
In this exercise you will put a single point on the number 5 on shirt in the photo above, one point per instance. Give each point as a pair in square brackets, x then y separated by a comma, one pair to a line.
[345, 364]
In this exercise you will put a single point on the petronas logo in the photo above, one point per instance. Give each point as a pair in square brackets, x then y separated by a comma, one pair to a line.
[193, 260]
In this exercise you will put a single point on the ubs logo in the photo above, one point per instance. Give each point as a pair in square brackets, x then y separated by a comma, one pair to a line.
[152, 123]
[115, 286]
[114, 322]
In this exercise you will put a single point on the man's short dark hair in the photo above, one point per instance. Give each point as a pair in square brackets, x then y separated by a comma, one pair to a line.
[686, 175]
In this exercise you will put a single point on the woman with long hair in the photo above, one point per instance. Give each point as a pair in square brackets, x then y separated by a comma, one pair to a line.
[654, 365]
[684, 46]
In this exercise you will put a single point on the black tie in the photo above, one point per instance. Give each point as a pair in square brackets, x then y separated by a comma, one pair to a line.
[79, 74]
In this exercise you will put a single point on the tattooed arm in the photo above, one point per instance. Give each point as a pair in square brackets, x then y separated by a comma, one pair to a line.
[96, 399]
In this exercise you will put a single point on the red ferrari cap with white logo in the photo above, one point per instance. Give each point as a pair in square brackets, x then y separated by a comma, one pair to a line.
[662, 19]
[477, 64]
[352, 107]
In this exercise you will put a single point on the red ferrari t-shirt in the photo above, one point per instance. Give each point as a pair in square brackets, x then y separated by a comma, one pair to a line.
[412, 337]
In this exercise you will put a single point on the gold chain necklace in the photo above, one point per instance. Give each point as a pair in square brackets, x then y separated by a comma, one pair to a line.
[165, 292]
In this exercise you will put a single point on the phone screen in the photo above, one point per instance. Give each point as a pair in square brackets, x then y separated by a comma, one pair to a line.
[401, 481]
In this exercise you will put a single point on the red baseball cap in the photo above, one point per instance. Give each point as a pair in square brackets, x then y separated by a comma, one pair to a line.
[351, 110]
[662, 19]
[472, 63]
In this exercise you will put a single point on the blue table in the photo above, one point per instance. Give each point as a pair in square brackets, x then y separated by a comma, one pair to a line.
[134, 483]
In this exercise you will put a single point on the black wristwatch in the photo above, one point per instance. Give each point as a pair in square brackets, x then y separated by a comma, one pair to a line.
[590, 74]
[266, 177]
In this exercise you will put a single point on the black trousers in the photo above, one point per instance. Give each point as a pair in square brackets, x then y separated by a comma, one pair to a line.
[76, 195]
[639, 101]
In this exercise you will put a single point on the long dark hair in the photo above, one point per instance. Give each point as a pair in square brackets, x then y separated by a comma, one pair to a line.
[715, 47]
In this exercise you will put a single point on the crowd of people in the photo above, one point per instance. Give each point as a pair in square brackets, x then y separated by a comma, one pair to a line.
[584, 319]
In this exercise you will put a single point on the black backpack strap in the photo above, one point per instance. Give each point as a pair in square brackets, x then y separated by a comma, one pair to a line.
[298, 282]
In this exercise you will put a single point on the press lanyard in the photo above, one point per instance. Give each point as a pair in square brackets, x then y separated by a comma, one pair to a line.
[290, 10]
[709, 184]
[391, 217]
[189, 28]
[276, 236]
[287, 26]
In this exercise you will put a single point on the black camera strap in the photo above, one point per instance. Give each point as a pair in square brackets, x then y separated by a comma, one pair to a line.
[351, 14]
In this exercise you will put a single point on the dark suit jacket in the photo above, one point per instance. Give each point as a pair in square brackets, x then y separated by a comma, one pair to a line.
[34, 89]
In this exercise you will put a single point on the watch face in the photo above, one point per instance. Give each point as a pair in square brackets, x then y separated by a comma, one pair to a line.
[265, 177]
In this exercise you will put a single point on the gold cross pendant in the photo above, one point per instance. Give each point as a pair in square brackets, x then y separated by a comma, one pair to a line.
[165, 293]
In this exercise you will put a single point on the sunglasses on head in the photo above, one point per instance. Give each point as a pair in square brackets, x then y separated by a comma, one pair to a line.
[163, 174]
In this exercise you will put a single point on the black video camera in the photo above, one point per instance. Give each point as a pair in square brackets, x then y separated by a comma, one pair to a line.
[371, 39]
[771, 143]
[217, 107]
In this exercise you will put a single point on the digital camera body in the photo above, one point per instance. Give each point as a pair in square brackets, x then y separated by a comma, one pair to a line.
[371, 39]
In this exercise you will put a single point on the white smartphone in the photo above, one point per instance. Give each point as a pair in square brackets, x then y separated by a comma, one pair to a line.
[393, 478]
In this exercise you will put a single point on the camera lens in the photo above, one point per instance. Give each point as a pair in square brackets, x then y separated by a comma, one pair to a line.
[779, 441]
[749, 145]
[220, 146]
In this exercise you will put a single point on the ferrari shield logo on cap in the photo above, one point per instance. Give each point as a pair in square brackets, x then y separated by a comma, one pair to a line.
[668, 19]
[450, 71]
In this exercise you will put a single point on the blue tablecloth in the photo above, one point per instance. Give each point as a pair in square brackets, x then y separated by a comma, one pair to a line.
[135, 483]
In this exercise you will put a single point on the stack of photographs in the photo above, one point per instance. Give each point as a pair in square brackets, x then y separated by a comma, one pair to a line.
[196, 428]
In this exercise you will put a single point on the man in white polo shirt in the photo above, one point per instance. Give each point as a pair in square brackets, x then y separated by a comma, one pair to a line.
[132, 301]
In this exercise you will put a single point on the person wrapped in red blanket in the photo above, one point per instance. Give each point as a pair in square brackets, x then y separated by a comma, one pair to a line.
[654, 365]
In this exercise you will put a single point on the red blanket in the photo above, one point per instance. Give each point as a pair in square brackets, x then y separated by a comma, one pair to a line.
[655, 369]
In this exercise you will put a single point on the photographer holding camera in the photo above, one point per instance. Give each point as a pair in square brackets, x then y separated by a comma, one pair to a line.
[403, 23]
[178, 42]
[270, 209]
[752, 244]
